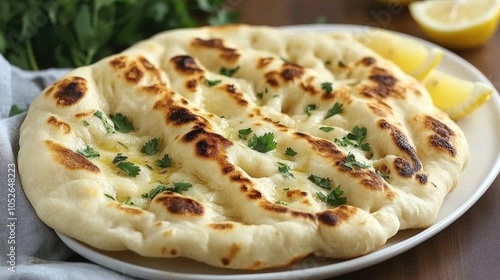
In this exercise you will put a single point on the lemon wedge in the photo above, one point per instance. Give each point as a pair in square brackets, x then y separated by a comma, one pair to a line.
[459, 24]
[413, 57]
[455, 96]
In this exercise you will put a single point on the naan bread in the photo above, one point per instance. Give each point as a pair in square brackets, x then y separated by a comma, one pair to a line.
[209, 98]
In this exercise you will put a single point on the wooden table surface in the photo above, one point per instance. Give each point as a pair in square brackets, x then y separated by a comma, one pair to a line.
[470, 247]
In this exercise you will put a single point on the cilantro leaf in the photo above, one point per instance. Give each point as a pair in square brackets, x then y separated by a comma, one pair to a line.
[327, 87]
[334, 198]
[350, 162]
[211, 83]
[128, 201]
[326, 128]
[85, 123]
[109, 196]
[151, 147]
[264, 143]
[179, 187]
[337, 108]
[310, 108]
[341, 63]
[164, 162]
[290, 152]
[243, 133]
[119, 157]
[228, 71]
[88, 152]
[355, 139]
[285, 170]
[321, 182]
[100, 115]
[131, 169]
[280, 202]
[122, 124]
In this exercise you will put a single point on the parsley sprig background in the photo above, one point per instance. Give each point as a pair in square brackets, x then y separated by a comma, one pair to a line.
[39, 34]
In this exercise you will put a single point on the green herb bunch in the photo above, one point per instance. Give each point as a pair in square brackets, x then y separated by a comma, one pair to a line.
[39, 34]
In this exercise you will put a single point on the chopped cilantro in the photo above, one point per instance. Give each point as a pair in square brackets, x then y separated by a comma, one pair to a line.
[228, 71]
[109, 196]
[211, 83]
[310, 108]
[128, 201]
[151, 147]
[321, 182]
[121, 144]
[264, 143]
[285, 170]
[122, 124]
[85, 123]
[243, 133]
[119, 157]
[290, 152]
[326, 128]
[281, 202]
[88, 152]
[334, 198]
[337, 108]
[164, 162]
[260, 95]
[350, 161]
[383, 175]
[355, 139]
[109, 128]
[327, 87]
[179, 187]
[131, 169]
[341, 63]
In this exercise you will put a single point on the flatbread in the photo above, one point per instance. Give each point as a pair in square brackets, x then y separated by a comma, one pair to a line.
[281, 145]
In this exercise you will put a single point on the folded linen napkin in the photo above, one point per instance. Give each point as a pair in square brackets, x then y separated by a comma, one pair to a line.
[28, 248]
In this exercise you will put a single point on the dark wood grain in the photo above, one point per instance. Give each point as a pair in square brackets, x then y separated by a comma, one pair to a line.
[470, 247]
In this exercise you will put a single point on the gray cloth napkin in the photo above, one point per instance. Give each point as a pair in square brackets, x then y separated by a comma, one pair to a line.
[28, 248]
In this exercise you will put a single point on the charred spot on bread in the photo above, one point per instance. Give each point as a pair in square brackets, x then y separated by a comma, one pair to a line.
[70, 159]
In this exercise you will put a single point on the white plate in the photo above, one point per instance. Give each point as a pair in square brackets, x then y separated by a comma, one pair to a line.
[482, 130]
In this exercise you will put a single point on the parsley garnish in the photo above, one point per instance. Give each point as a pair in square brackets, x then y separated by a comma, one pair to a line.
[280, 202]
[109, 196]
[151, 147]
[327, 87]
[285, 170]
[341, 63]
[264, 143]
[211, 83]
[319, 181]
[290, 152]
[326, 128]
[122, 124]
[164, 162]
[310, 108]
[131, 169]
[85, 123]
[121, 144]
[260, 95]
[357, 135]
[337, 108]
[109, 128]
[334, 198]
[350, 161]
[89, 152]
[243, 133]
[228, 72]
[179, 187]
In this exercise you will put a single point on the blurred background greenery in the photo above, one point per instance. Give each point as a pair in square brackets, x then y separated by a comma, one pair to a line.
[39, 34]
